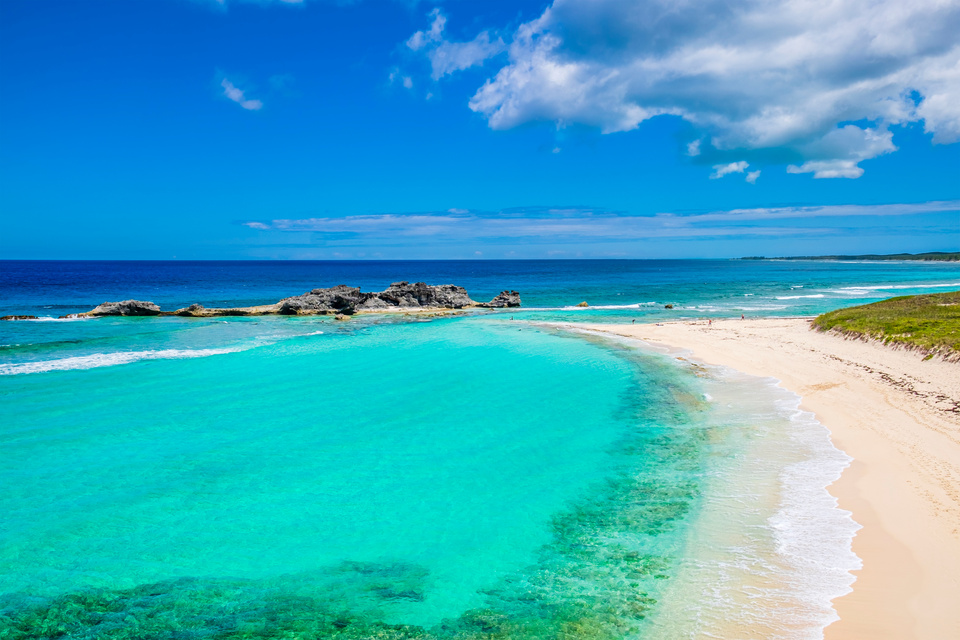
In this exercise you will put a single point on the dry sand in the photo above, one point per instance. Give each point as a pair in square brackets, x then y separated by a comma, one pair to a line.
[899, 418]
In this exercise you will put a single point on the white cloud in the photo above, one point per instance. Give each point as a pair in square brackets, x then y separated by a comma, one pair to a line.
[821, 81]
[840, 150]
[693, 149]
[752, 177]
[407, 82]
[575, 225]
[720, 170]
[237, 96]
[421, 39]
[447, 57]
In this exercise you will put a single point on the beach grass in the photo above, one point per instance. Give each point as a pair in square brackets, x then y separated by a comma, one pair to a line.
[929, 323]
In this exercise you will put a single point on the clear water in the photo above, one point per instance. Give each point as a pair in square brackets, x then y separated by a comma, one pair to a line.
[460, 477]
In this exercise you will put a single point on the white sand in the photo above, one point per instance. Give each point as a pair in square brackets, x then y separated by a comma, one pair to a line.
[899, 418]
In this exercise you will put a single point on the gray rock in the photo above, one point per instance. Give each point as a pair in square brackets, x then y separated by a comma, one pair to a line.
[502, 300]
[420, 294]
[125, 308]
[339, 298]
[193, 311]
[372, 304]
[347, 300]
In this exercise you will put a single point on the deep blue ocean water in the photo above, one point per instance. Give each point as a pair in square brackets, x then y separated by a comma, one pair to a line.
[476, 476]
[697, 287]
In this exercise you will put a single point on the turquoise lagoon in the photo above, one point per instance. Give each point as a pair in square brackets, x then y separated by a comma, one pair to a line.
[466, 477]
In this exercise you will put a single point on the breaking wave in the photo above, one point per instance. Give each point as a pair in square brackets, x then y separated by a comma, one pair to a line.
[96, 360]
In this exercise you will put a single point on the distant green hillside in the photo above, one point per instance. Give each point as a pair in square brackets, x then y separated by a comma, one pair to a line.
[937, 256]
[929, 323]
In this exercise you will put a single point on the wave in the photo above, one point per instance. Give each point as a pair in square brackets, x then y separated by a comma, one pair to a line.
[812, 533]
[638, 305]
[734, 308]
[817, 295]
[96, 360]
[886, 287]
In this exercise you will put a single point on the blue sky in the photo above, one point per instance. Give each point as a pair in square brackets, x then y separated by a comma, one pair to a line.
[399, 129]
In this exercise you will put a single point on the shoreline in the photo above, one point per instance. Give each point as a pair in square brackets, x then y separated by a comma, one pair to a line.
[898, 417]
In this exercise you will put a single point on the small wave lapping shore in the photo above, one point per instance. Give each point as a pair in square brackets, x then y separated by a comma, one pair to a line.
[899, 418]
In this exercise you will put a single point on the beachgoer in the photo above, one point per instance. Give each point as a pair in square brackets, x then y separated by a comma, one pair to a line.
[634, 321]
[741, 316]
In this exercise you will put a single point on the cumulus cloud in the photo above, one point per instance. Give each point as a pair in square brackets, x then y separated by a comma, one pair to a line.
[752, 177]
[235, 94]
[447, 57]
[720, 170]
[818, 82]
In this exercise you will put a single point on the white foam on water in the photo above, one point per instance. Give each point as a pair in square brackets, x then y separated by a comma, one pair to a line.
[863, 290]
[96, 360]
[817, 295]
[814, 535]
[637, 305]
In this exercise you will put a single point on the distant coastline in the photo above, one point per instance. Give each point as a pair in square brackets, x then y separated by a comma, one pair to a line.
[930, 256]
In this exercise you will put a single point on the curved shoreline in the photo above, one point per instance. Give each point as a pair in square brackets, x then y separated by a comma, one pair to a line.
[898, 417]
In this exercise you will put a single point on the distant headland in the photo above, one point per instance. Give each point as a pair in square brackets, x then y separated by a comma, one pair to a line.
[341, 301]
[931, 256]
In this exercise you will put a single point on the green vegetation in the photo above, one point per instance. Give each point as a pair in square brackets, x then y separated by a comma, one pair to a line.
[935, 256]
[929, 323]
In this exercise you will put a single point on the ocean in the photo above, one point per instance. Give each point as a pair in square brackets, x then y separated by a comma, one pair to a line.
[489, 475]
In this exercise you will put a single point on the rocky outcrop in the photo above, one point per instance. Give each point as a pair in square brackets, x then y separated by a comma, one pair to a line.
[193, 311]
[199, 311]
[123, 308]
[18, 318]
[399, 295]
[419, 294]
[340, 300]
[502, 300]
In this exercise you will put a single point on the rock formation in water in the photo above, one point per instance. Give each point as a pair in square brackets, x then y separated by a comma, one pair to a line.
[340, 300]
[125, 308]
[502, 300]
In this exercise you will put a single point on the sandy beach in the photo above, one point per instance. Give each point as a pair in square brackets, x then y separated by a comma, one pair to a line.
[898, 416]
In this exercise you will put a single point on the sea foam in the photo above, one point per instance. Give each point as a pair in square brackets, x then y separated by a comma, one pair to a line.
[95, 360]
